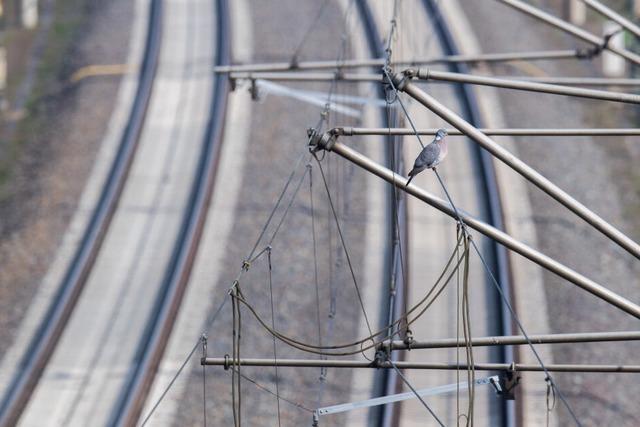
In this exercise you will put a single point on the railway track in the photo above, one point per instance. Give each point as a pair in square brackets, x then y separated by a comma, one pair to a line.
[499, 260]
[52, 325]
[136, 381]
[176, 276]
[387, 381]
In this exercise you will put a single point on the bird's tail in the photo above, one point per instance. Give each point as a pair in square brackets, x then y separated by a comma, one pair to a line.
[409, 180]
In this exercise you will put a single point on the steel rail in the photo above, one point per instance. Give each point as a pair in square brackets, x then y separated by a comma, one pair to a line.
[328, 143]
[497, 255]
[227, 362]
[565, 26]
[396, 284]
[584, 337]
[46, 338]
[127, 410]
[519, 166]
[614, 16]
[356, 131]
[525, 85]
[378, 62]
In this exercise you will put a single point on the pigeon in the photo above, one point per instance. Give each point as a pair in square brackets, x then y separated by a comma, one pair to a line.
[431, 155]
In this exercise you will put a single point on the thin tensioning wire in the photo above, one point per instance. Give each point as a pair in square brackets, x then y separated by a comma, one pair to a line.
[333, 88]
[344, 245]
[267, 390]
[184, 363]
[310, 27]
[273, 325]
[288, 208]
[413, 390]
[315, 254]
[524, 333]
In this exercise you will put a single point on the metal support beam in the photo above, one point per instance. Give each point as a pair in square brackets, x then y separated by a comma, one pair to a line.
[516, 340]
[552, 85]
[614, 16]
[518, 165]
[378, 62]
[570, 28]
[228, 362]
[399, 397]
[580, 81]
[328, 142]
[307, 76]
[353, 131]
[530, 86]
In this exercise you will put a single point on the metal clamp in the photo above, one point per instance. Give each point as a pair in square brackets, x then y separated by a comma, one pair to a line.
[509, 379]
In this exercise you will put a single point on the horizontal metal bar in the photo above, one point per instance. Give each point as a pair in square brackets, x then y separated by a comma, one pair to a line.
[324, 363]
[354, 131]
[580, 81]
[399, 397]
[307, 76]
[554, 85]
[373, 62]
[517, 340]
[498, 235]
[530, 86]
[570, 28]
[519, 166]
[609, 13]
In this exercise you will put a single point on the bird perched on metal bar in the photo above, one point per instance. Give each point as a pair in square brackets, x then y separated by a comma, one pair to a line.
[431, 155]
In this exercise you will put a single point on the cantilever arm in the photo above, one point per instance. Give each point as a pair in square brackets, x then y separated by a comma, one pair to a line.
[327, 141]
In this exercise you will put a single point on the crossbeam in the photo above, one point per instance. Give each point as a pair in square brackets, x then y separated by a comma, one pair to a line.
[228, 362]
[356, 131]
[586, 337]
[523, 84]
[378, 62]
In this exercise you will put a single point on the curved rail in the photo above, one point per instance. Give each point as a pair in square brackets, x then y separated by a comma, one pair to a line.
[388, 382]
[48, 333]
[498, 254]
[149, 353]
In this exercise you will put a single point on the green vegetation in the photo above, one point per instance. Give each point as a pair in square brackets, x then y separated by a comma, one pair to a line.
[51, 75]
